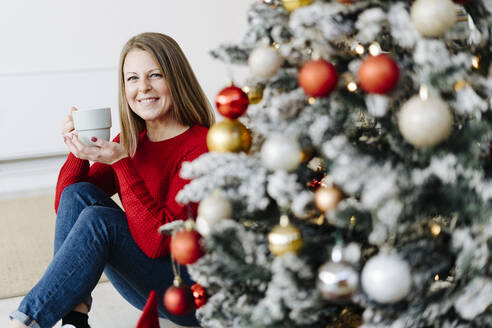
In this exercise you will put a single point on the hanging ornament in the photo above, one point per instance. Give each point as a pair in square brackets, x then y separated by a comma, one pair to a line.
[265, 61]
[315, 178]
[386, 278]
[378, 74]
[255, 93]
[284, 238]
[199, 295]
[211, 210]
[232, 102]
[350, 317]
[318, 78]
[327, 198]
[425, 121]
[291, 5]
[346, 1]
[433, 18]
[337, 279]
[185, 246]
[228, 136]
[178, 299]
[280, 152]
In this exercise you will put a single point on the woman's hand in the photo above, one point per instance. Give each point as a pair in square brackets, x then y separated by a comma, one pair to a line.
[104, 152]
[67, 125]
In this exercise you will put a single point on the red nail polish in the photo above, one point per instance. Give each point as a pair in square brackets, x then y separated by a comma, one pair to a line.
[93, 139]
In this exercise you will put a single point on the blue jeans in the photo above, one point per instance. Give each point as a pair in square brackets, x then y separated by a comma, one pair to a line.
[92, 236]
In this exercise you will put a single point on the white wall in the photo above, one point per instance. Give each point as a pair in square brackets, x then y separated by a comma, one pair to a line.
[55, 54]
[59, 53]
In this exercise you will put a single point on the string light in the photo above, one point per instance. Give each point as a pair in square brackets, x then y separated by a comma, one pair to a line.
[360, 49]
[436, 277]
[375, 49]
[476, 62]
[435, 229]
[352, 86]
[353, 220]
[424, 92]
[311, 100]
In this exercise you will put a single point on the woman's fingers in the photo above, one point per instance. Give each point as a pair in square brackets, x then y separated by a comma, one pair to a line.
[99, 142]
[67, 125]
[103, 151]
[71, 146]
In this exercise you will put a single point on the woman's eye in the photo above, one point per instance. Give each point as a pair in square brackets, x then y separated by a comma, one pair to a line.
[131, 78]
[156, 75]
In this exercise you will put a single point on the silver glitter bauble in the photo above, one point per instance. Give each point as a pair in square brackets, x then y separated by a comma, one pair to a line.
[337, 281]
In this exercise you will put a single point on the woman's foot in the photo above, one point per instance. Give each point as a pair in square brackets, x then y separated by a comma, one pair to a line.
[75, 320]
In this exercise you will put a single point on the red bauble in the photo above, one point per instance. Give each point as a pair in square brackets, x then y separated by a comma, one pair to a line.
[461, 1]
[199, 295]
[346, 1]
[378, 74]
[318, 78]
[179, 299]
[185, 247]
[232, 102]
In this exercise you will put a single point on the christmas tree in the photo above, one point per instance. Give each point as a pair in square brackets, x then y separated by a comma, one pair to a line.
[355, 188]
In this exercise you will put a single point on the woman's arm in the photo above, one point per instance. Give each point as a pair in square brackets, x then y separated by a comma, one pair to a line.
[77, 167]
[78, 170]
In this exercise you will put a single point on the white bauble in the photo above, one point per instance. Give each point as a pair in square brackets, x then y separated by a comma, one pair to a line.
[433, 17]
[204, 226]
[211, 210]
[337, 281]
[425, 123]
[280, 152]
[265, 61]
[386, 278]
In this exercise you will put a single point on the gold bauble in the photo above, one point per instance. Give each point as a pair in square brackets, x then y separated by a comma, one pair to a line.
[284, 238]
[291, 5]
[327, 198]
[255, 93]
[229, 136]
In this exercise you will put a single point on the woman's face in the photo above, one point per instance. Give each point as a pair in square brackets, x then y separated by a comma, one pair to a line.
[145, 87]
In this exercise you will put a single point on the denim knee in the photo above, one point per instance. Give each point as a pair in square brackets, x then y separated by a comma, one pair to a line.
[77, 188]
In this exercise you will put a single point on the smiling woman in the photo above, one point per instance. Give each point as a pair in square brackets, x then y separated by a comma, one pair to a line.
[164, 118]
[147, 72]
[148, 95]
[83, 67]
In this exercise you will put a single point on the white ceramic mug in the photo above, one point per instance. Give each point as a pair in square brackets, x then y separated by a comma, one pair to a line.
[92, 123]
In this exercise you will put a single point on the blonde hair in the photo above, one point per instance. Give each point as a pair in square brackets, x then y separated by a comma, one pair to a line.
[189, 103]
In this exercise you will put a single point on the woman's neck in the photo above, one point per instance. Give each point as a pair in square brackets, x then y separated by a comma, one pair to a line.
[164, 130]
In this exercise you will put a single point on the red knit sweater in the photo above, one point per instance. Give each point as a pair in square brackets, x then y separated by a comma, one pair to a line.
[146, 183]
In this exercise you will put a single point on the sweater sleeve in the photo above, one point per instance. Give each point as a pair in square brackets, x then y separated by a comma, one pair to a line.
[143, 212]
[78, 170]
